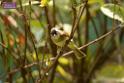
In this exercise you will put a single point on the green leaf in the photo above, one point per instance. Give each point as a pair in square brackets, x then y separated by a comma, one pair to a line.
[100, 2]
[113, 11]
[44, 3]
[64, 61]
[35, 23]
[63, 73]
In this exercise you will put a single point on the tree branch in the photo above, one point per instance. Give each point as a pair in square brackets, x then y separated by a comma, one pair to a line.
[71, 52]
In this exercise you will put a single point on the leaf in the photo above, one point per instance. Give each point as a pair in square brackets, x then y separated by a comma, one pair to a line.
[9, 20]
[11, 40]
[12, 21]
[35, 23]
[113, 11]
[21, 39]
[64, 73]
[95, 2]
[64, 61]
[44, 3]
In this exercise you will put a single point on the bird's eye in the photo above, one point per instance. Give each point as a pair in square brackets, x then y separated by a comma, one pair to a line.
[53, 32]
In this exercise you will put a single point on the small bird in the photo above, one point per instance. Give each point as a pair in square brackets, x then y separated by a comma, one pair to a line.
[59, 37]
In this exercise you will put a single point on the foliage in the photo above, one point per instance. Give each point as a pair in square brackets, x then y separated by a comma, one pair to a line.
[113, 11]
[28, 55]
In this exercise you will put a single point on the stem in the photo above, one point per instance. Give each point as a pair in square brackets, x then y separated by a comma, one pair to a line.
[71, 52]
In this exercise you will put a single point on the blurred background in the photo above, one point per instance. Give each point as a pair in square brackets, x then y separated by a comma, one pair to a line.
[27, 52]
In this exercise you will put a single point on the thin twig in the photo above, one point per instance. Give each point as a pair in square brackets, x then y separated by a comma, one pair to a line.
[71, 52]
[54, 13]
[96, 40]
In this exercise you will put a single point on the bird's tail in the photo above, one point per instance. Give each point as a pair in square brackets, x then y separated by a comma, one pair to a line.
[78, 53]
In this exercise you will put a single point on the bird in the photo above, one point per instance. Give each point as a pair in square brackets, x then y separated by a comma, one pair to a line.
[59, 37]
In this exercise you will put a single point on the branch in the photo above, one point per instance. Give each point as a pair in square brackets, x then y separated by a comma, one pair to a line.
[71, 52]
[96, 40]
